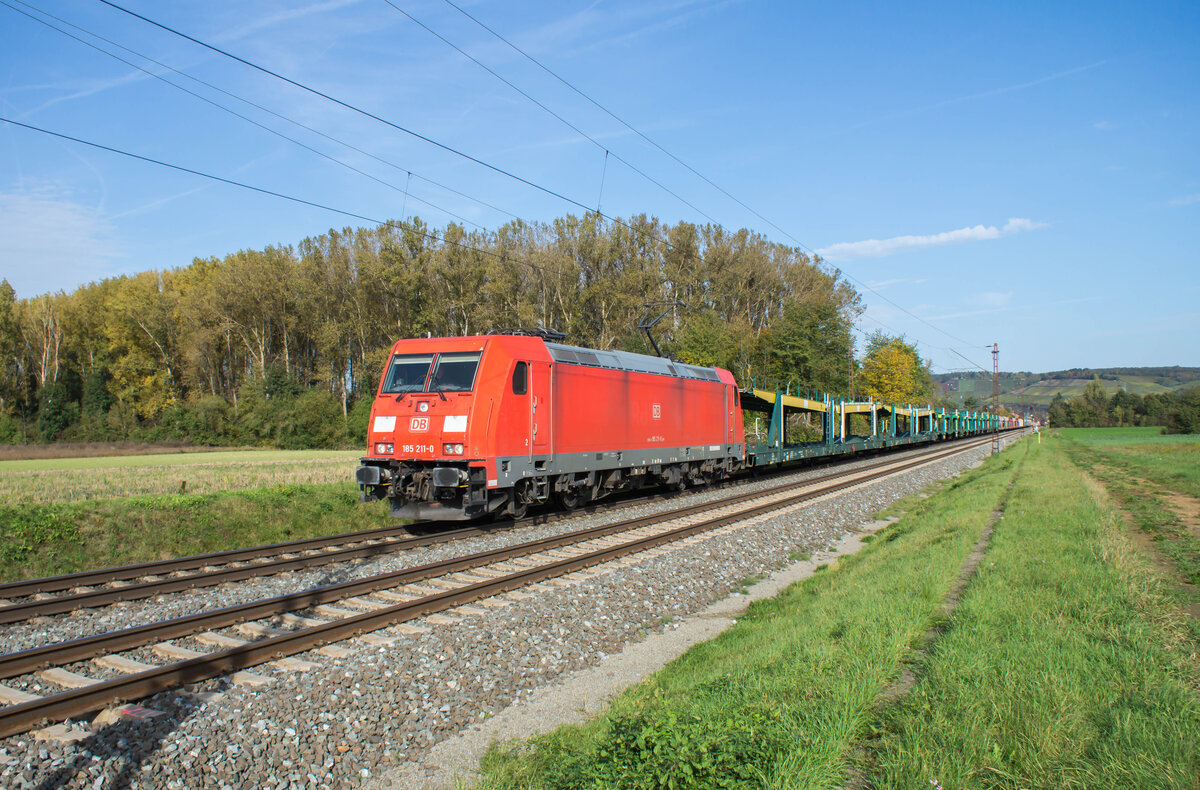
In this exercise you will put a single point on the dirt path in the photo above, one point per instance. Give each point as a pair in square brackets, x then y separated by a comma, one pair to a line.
[860, 758]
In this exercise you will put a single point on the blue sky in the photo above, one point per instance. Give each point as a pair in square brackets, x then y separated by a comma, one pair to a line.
[1019, 173]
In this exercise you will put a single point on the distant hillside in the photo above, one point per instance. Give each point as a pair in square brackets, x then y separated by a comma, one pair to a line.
[1036, 390]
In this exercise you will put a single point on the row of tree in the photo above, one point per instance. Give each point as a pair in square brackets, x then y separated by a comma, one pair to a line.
[283, 346]
[1177, 412]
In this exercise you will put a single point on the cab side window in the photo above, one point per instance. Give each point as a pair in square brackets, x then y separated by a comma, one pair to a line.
[520, 377]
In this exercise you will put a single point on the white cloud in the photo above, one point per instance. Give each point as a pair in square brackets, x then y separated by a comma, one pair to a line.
[875, 248]
[49, 241]
[1186, 200]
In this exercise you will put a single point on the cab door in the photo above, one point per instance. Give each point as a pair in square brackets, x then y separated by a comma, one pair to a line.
[731, 395]
[541, 409]
[520, 406]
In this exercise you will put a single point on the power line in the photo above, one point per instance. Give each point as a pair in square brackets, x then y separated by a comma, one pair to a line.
[359, 110]
[272, 193]
[976, 364]
[368, 114]
[693, 170]
[469, 157]
[618, 119]
[271, 112]
[233, 112]
[558, 117]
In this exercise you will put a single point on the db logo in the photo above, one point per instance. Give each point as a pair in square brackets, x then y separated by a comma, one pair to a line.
[419, 424]
[656, 411]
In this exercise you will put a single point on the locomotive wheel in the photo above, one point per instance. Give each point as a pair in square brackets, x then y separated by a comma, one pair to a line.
[517, 510]
[569, 499]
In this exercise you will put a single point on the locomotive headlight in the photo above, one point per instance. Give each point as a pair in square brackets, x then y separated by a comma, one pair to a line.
[384, 448]
[452, 449]
[423, 406]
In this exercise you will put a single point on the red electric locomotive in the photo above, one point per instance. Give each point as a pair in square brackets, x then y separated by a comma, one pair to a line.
[469, 426]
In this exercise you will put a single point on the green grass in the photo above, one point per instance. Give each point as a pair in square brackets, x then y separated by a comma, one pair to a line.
[1065, 665]
[1148, 435]
[65, 480]
[1168, 460]
[1176, 467]
[779, 699]
[1139, 477]
[43, 540]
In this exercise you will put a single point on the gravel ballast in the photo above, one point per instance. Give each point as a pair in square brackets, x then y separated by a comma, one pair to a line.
[353, 718]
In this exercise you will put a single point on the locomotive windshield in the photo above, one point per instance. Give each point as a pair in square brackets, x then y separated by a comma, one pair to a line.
[407, 373]
[455, 372]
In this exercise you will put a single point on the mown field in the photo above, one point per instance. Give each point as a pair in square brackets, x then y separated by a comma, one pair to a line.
[64, 515]
[52, 480]
[1156, 480]
[1067, 663]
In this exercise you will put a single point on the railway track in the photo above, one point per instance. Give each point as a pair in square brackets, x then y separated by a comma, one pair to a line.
[319, 617]
[26, 599]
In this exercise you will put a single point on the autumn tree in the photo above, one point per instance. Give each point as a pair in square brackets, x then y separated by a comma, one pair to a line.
[893, 371]
[284, 345]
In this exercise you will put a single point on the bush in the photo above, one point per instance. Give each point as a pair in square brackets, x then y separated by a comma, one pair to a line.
[659, 750]
[56, 410]
[314, 420]
[11, 430]
[1184, 414]
[360, 415]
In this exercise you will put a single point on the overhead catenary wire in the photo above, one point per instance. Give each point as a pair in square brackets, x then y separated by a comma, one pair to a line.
[615, 220]
[273, 193]
[976, 364]
[299, 124]
[693, 170]
[554, 114]
[368, 114]
[476, 160]
[245, 118]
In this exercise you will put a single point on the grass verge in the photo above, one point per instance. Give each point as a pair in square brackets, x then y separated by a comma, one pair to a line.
[1066, 664]
[777, 700]
[43, 540]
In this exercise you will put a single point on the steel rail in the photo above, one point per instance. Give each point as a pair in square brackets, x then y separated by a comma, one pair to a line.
[24, 610]
[26, 587]
[24, 716]
[22, 662]
[47, 584]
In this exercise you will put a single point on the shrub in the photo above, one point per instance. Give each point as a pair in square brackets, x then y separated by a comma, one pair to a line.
[315, 419]
[1184, 414]
[659, 749]
[56, 410]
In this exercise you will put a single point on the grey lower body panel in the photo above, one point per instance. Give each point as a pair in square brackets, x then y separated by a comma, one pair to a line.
[511, 469]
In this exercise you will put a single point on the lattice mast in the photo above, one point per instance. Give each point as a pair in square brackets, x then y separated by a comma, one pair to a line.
[995, 398]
